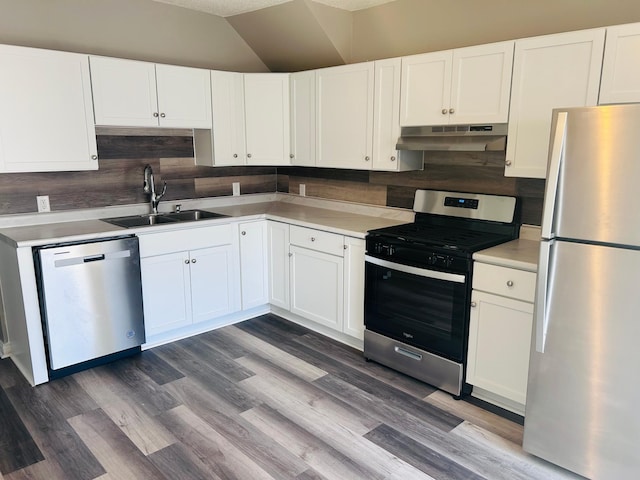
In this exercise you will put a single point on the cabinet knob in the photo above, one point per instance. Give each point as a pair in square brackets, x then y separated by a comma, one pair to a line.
[248, 155]
[507, 163]
[94, 157]
[473, 304]
[155, 114]
[444, 111]
[313, 239]
[509, 283]
[193, 261]
[290, 254]
[393, 158]
[186, 261]
[162, 115]
[243, 233]
[291, 155]
[345, 247]
[366, 159]
[235, 155]
[451, 110]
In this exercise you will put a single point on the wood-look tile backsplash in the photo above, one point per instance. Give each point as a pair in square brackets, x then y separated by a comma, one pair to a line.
[118, 181]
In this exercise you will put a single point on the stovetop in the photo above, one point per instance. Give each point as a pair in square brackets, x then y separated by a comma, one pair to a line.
[439, 236]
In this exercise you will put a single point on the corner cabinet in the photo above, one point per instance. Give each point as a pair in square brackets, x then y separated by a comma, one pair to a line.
[621, 66]
[553, 71]
[466, 85]
[267, 128]
[254, 272]
[188, 276]
[46, 116]
[141, 94]
[500, 328]
[303, 118]
[344, 104]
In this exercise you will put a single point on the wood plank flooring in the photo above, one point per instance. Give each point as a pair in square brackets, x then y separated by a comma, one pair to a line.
[264, 399]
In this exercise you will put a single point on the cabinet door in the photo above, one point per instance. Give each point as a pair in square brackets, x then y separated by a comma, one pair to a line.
[227, 98]
[354, 287]
[184, 96]
[46, 119]
[499, 345]
[344, 100]
[214, 285]
[266, 104]
[303, 118]
[253, 264]
[481, 84]
[166, 290]
[317, 286]
[124, 92]
[278, 256]
[386, 107]
[554, 71]
[621, 68]
[426, 89]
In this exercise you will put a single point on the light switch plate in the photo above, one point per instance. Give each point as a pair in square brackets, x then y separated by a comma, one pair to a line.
[43, 203]
[303, 190]
[236, 188]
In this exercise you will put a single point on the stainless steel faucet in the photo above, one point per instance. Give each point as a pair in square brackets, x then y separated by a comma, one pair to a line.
[150, 189]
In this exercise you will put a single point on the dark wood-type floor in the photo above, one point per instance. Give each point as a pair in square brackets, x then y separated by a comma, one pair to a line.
[264, 399]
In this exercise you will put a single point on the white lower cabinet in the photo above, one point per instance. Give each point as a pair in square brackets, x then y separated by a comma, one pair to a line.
[319, 276]
[189, 276]
[253, 264]
[500, 334]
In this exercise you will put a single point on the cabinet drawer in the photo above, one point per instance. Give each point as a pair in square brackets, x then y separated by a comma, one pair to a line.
[187, 239]
[508, 282]
[317, 240]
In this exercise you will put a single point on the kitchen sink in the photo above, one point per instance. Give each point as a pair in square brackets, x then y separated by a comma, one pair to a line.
[162, 218]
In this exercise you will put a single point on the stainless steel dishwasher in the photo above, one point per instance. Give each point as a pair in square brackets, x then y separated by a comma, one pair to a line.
[90, 301]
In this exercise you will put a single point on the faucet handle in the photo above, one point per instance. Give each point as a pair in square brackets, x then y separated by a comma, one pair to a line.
[164, 190]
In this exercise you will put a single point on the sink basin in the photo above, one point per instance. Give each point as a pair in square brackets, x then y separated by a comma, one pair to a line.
[191, 215]
[162, 218]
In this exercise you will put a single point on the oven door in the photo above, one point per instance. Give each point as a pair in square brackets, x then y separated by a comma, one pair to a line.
[418, 306]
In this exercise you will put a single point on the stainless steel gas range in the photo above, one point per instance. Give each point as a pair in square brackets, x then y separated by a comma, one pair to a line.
[418, 283]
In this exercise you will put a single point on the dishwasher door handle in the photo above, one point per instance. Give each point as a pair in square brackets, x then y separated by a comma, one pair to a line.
[93, 258]
[65, 262]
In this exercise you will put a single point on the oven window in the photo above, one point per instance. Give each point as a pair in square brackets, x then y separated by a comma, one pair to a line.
[424, 312]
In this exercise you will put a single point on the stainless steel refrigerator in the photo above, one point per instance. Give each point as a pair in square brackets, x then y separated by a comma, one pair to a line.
[583, 396]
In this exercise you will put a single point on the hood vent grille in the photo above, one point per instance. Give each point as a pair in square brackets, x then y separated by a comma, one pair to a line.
[462, 138]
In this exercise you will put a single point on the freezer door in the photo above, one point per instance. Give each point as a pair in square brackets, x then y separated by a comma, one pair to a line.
[598, 173]
[583, 391]
[91, 300]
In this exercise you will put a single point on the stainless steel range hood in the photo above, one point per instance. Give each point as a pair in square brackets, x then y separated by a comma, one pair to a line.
[461, 138]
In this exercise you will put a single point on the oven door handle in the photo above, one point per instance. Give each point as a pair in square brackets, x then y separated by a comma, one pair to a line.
[422, 272]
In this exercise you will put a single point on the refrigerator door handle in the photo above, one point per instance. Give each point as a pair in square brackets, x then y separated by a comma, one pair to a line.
[541, 317]
[555, 160]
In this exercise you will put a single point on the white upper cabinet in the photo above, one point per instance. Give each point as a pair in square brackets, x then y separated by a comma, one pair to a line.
[227, 97]
[344, 100]
[553, 71]
[303, 118]
[46, 117]
[386, 121]
[621, 67]
[466, 85]
[132, 93]
[267, 129]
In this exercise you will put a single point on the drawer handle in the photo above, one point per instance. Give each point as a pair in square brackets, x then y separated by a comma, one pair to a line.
[509, 283]
[407, 353]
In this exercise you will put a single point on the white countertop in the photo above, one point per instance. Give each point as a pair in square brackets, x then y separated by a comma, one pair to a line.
[340, 218]
[521, 254]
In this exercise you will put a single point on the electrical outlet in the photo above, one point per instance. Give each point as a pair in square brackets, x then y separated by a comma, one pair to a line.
[236, 188]
[43, 203]
[302, 189]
